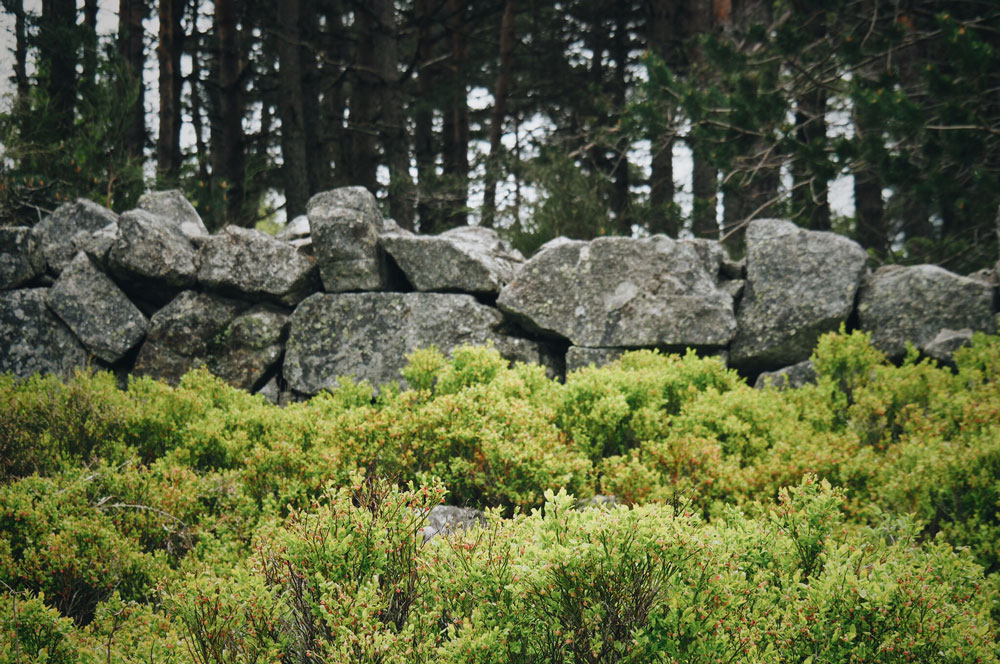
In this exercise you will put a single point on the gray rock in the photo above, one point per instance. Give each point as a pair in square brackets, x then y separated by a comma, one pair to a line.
[296, 229]
[345, 226]
[250, 347]
[273, 393]
[468, 259]
[900, 304]
[96, 310]
[177, 211]
[78, 226]
[800, 284]
[21, 256]
[735, 288]
[987, 276]
[942, 347]
[621, 292]
[247, 263]
[598, 501]
[579, 357]
[368, 335]
[530, 351]
[151, 249]
[184, 334]
[33, 339]
[444, 520]
[792, 377]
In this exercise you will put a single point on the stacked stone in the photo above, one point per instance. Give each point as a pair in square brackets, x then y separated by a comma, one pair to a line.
[344, 292]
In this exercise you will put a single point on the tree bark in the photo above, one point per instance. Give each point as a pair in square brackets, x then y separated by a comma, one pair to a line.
[197, 112]
[456, 121]
[364, 103]
[395, 138]
[661, 22]
[168, 51]
[810, 189]
[423, 120]
[620, 192]
[507, 40]
[55, 32]
[130, 46]
[228, 165]
[291, 107]
[89, 74]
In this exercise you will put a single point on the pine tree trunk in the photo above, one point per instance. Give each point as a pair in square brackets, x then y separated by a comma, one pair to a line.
[499, 113]
[55, 31]
[395, 138]
[620, 194]
[661, 22]
[456, 124]
[169, 50]
[130, 46]
[364, 104]
[810, 193]
[294, 166]
[89, 75]
[423, 127]
[228, 165]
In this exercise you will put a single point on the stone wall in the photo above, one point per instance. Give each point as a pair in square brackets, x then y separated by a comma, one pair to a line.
[342, 291]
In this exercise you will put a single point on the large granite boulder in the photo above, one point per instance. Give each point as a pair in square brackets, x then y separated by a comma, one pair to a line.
[154, 251]
[467, 259]
[368, 335]
[183, 334]
[900, 304]
[621, 292]
[800, 284]
[247, 263]
[345, 225]
[174, 209]
[33, 339]
[78, 226]
[21, 257]
[250, 347]
[96, 310]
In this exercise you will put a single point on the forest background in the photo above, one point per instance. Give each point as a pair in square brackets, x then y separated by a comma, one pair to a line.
[577, 118]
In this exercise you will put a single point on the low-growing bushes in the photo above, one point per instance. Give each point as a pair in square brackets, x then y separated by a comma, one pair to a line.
[210, 525]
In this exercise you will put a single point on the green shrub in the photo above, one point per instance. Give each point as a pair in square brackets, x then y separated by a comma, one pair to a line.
[32, 631]
[54, 542]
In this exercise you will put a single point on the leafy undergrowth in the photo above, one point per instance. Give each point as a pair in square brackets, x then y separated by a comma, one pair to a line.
[854, 520]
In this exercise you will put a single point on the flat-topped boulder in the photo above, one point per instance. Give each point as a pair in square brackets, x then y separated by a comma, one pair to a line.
[247, 263]
[96, 310]
[467, 259]
[368, 335]
[150, 249]
[174, 209]
[900, 304]
[33, 340]
[82, 225]
[345, 224]
[21, 257]
[616, 291]
[800, 284]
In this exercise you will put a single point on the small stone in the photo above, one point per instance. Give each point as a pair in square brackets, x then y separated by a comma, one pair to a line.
[793, 377]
